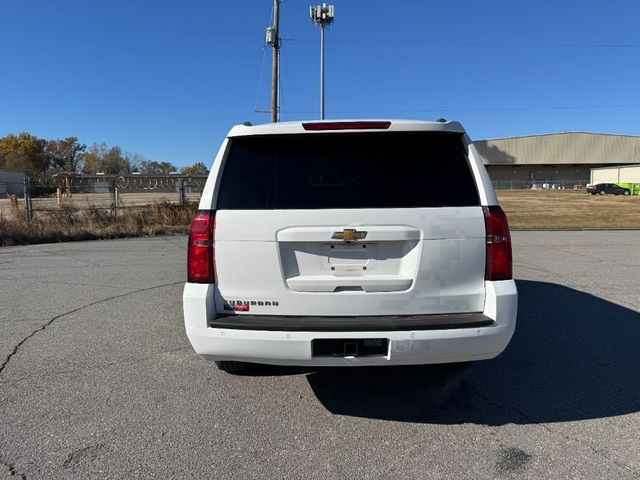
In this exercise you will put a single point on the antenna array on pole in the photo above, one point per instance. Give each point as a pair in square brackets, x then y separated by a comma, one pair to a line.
[272, 38]
[322, 15]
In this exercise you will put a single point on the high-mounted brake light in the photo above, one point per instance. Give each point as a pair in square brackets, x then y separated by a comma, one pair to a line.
[200, 252]
[498, 262]
[346, 125]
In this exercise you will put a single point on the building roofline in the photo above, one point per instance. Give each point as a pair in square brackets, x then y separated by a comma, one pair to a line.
[559, 133]
[609, 167]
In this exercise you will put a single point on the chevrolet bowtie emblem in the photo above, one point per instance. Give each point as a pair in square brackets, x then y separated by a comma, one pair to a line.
[349, 235]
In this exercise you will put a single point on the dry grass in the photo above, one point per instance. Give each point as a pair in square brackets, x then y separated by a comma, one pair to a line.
[90, 224]
[98, 200]
[527, 210]
[569, 210]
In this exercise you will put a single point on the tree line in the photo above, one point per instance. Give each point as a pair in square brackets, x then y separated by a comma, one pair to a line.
[40, 158]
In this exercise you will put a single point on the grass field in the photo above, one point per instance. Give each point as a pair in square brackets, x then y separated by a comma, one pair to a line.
[526, 209]
[568, 210]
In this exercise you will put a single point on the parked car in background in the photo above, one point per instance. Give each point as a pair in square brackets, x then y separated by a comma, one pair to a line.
[607, 188]
[342, 243]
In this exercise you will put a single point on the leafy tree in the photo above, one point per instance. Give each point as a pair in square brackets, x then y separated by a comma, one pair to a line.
[92, 159]
[24, 153]
[198, 168]
[115, 162]
[151, 167]
[135, 159]
[101, 158]
[66, 154]
[38, 157]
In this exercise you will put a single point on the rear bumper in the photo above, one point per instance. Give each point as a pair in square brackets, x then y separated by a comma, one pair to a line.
[406, 347]
[350, 324]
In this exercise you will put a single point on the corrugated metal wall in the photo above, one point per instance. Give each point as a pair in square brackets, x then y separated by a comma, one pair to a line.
[616, 175]
[12, 183]
[561, 148]
[630, 175]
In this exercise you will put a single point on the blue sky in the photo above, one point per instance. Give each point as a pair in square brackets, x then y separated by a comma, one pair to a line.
[168, 78]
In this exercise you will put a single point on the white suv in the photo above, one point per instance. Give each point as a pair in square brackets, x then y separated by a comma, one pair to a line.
[349, 243]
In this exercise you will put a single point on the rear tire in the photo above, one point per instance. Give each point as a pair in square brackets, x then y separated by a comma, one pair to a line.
[234, 368]
[627, 192]
[602, 192]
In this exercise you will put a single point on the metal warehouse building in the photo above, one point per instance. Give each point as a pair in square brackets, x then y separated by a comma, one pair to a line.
[11, 183]
[557, 160]
[626, 174]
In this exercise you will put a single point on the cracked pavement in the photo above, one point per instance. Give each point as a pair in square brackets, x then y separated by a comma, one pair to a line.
[97, 379]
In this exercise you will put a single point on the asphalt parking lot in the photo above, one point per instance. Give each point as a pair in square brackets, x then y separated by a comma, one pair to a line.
[97, 379]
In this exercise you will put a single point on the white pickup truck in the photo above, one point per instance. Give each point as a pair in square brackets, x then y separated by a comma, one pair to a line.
[346, 243]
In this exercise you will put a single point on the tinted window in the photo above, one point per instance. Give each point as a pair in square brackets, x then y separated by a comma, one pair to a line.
[362, 170]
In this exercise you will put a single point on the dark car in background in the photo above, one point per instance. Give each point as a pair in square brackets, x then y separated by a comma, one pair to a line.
[607, 188]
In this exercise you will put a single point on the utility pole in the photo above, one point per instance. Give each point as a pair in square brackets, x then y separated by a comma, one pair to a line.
[322, 15]
[273, 39]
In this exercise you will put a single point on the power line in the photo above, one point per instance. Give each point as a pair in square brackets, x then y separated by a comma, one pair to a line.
[264, 55]
[280, 91]
[477, 44]
[479, 109]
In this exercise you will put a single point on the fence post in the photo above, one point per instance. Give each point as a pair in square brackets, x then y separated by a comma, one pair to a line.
[114, 198]
[183, 197]
[28, 207]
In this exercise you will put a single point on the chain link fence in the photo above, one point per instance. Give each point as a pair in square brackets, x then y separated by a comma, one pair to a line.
[16, 198]
[540, 185]
[119, 192]
[105, 192]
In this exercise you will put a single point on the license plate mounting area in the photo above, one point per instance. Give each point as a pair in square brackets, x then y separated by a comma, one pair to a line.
[350, 347]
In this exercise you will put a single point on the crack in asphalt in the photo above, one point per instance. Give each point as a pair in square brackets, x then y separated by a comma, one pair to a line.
[576, 286]
[60, 254]
[102, 366]
[45, 325]
[597, 259]
[553, 432]
[11, 467]
[181, 247]
[566, 278]
[72, 284]
[12, 470]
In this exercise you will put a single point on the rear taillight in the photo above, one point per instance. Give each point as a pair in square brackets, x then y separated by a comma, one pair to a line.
[200, 256]
[498, 263]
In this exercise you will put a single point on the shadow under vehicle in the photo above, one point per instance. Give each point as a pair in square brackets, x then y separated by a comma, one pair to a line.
[574, 356]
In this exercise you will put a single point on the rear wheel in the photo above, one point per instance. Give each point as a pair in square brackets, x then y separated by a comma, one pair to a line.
[627, 192]
[235, 368]
[602, 192]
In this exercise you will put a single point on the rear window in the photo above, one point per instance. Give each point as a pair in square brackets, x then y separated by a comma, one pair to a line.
[359, 170]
